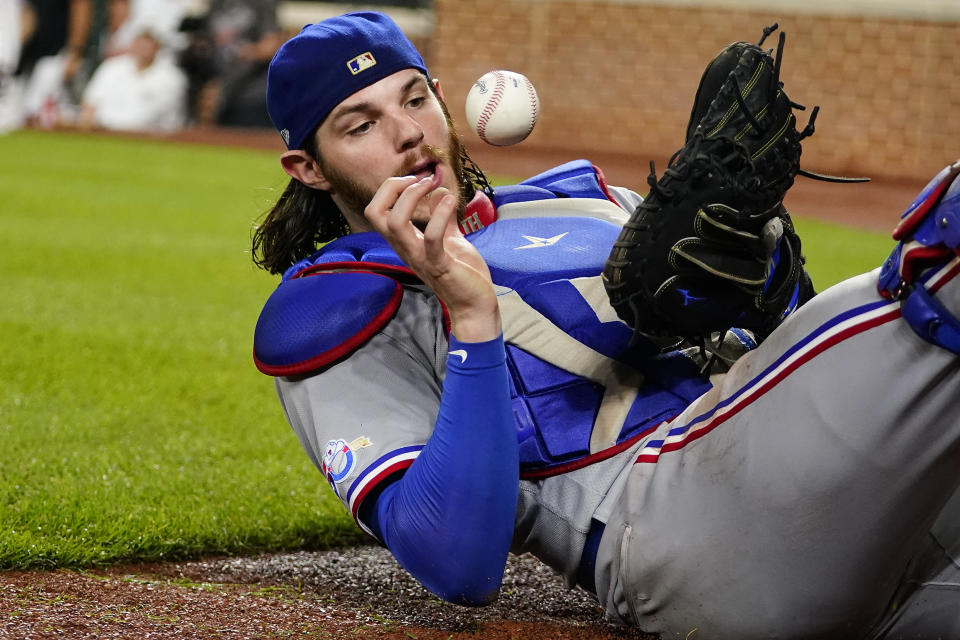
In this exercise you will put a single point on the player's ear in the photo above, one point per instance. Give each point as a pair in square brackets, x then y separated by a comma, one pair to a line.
[436, 84]
[300, 166]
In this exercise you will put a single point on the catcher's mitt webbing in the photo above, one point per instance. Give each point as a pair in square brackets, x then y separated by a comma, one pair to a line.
[712, 246]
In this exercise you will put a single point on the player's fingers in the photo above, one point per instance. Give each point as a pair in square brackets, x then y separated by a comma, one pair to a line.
[383, 201]
[398, 221]
[442, 216]
[452, 226]
[393, 214]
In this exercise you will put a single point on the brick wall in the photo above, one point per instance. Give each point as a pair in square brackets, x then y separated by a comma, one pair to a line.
[620, 76]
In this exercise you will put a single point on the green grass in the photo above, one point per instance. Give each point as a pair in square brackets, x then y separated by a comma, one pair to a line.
[837, 252]
[133, 423]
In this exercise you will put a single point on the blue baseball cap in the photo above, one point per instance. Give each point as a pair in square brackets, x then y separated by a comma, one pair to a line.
[329, 61]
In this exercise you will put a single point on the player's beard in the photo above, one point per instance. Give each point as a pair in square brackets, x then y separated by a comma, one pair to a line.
[356, 196]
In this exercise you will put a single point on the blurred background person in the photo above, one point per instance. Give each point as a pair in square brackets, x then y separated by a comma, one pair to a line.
[52, 57]
[117, 22]
[112, 32]
[17, 23]
[141, 90]
[226, 59]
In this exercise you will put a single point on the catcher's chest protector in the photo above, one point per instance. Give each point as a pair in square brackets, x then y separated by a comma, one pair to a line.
[580, 392]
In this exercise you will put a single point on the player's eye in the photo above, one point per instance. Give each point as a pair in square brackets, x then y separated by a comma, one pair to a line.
[360, 129]
[417, 102]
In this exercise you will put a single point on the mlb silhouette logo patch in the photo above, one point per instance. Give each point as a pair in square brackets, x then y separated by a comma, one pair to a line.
[361, 62]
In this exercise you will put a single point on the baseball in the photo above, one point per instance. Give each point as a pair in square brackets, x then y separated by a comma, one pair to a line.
[502, 107]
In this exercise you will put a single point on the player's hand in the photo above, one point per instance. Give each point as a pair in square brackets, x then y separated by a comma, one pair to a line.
[440, 255]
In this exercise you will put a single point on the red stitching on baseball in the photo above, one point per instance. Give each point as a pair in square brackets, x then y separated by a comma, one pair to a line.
[534, 105]
[491, 105]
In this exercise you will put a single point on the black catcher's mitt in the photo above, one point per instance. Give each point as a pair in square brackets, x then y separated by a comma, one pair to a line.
[711, 247]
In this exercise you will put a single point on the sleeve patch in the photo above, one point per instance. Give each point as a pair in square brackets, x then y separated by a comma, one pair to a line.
[340, 459]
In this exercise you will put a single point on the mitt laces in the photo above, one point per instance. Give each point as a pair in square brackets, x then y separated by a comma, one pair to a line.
[776, 85]
[687, 161]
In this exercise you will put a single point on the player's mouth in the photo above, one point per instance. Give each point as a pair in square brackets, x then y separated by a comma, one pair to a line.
[427, 168]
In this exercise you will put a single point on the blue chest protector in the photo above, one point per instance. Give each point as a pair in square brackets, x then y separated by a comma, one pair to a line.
[330, 303]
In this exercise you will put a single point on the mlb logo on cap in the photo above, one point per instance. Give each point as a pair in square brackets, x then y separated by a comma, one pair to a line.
[361, 62]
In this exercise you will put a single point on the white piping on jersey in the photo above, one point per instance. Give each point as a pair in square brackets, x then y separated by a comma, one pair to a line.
[832, 332]
[531, 331]
[562, 207]
[699, 425]
[374, 476]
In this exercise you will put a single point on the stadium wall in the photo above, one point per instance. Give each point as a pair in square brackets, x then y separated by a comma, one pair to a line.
[620, 76]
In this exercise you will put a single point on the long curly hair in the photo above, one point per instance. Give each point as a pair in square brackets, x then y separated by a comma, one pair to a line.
[303, 218]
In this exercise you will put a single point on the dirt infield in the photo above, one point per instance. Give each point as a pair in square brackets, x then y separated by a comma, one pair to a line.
[354, 593]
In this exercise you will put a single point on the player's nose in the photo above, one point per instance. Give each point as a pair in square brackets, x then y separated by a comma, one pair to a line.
[408, 132]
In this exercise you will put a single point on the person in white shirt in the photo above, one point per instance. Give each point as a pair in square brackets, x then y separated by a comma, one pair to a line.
[142, 90]
[17, 23]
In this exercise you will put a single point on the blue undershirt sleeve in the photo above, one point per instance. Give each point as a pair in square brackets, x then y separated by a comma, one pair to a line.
[449, 519]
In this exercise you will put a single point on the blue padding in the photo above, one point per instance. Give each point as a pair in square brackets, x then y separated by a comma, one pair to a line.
[889, 280]
[565, 306]
[931, 320]
[383, 255]
[520, 193]
[575, 179]
[559, 412]
[537, 376]
[552, 412]
[941, 225]
[653, 405]
[927, 190]
[525, 249]
[675, 371]
[356, 247]
[307, 317]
